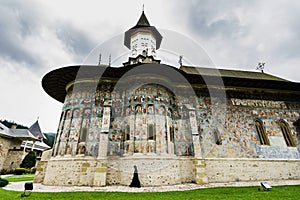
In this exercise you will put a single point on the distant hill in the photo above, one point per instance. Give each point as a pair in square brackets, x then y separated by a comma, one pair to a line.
[8, 124]
[50, 139]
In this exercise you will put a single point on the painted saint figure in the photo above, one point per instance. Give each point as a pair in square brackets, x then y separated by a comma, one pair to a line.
[135, 180]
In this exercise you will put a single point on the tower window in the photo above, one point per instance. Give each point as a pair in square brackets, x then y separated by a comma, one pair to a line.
[261, 132]
[286, 132]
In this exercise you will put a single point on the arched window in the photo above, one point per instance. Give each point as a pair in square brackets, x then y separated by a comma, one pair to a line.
[286, 132]
[85, 125]
[261, 132]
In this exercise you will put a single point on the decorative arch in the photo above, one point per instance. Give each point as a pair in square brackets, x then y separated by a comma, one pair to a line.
[261, 131]
[286, 132]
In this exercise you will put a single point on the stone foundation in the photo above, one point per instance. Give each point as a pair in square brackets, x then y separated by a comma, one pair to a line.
[157, 171]
[154, 171]
[116, 171]
[69, 171]
[232, 170]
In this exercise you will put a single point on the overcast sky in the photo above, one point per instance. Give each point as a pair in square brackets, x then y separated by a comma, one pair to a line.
[39, 36]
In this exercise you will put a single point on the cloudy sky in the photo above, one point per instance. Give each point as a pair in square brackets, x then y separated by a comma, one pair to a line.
[39, 36]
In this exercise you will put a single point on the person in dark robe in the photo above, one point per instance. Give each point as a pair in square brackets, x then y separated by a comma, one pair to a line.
[135, 180]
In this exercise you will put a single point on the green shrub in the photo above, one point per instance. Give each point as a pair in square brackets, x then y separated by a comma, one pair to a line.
[6, 171]
[29, 160]
[3, 182]
[19, 171]
[3, 172]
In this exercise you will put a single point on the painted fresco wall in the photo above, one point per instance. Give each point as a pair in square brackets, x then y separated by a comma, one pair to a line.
[238, 132]
[146, 121]
[152, 120]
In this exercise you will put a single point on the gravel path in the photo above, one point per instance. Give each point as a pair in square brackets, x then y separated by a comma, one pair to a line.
[37, 187]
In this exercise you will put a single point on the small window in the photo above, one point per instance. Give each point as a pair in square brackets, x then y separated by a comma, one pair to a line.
[172, 134]
[151, 134]
[286, 132]
[83, 134]
[217, 136]
[127, 133]
[261, 132]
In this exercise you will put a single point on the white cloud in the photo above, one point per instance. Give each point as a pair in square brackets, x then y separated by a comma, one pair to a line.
[23, 99]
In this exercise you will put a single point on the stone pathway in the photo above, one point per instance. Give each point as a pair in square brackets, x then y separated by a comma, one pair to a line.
[37, 187]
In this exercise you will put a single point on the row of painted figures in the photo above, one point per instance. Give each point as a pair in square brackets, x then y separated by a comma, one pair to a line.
[127, 148]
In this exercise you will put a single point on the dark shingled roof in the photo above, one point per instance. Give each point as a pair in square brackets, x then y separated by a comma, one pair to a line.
[55, 82]
[35, 129]
[21, 134]
[229, 73]
[143, 21]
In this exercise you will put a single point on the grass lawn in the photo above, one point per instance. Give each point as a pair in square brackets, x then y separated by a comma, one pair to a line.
[16, 178]
[277, 192]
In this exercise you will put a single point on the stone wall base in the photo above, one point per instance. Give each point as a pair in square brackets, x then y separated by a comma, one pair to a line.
[40, 172]
[157, 171]
[200, 167]
[116, 171]
[75, 171]
[247, 169]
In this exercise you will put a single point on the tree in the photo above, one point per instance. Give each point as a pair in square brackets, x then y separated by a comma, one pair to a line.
[9, 124]
[50, 139]
[29, 160]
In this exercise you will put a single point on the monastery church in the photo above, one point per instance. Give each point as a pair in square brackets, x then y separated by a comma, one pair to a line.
[176, 125]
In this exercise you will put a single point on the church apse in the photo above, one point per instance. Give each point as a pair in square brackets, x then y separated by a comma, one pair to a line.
[145, 121]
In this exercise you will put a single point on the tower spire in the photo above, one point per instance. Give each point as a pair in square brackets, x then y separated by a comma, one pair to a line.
[143, 21]
[143, 40]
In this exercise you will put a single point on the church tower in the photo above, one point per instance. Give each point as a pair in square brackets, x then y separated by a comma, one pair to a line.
[143, 40]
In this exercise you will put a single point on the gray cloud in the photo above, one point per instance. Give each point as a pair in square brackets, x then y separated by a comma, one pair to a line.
[17, 23]
[238, 34]
[75, 41]
[211, 18]
[27, 34]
